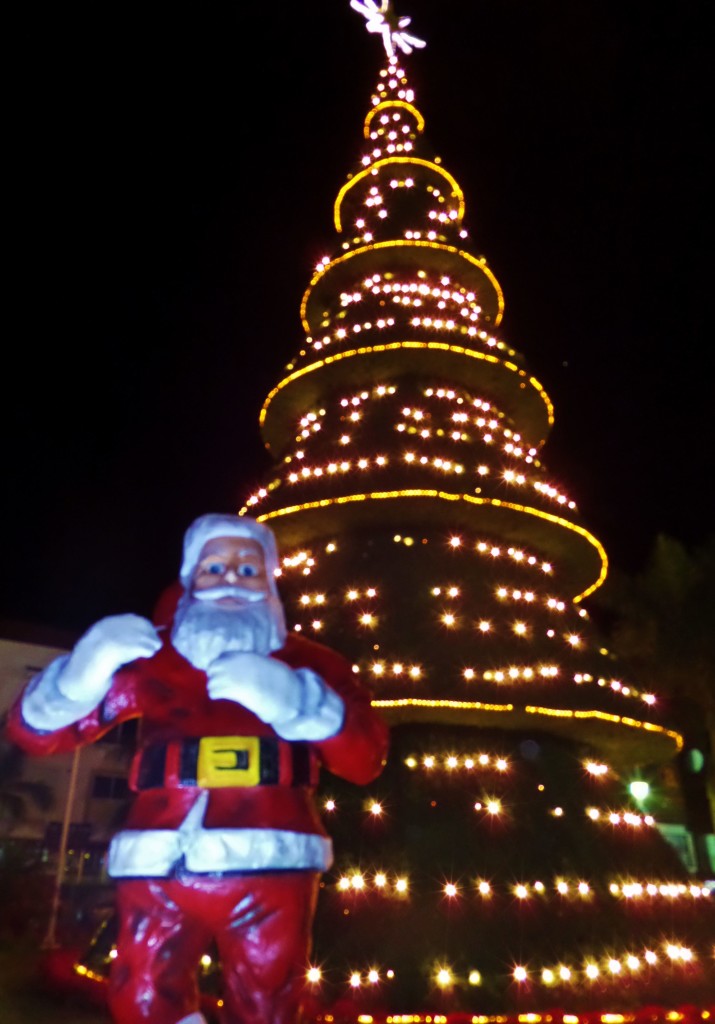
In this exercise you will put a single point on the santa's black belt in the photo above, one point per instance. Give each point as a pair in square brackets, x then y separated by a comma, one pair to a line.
[224, 761]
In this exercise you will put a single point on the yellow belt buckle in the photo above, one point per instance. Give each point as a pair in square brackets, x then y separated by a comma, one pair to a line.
[228, 761]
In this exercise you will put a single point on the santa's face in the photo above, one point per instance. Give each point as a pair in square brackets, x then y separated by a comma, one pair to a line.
[232, 567]
[230, 605]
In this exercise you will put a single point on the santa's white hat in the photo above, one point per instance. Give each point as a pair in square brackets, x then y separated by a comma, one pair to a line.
[207, 527]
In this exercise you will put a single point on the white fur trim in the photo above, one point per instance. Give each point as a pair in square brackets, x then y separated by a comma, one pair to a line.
[155, 852]
[321, 713]
[193, 1018]
[45, 708]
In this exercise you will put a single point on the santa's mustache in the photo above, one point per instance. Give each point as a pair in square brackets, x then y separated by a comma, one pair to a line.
[204, 629]
[226, 590]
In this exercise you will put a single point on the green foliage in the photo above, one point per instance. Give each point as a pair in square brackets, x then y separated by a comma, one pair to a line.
[664, 619]
[663, 628]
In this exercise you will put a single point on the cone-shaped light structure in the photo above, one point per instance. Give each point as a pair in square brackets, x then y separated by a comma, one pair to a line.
[424, 537]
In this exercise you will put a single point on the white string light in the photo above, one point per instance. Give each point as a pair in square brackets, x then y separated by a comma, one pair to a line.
[383, 21]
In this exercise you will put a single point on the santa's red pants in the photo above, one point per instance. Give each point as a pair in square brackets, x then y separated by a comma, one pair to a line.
[261, 924]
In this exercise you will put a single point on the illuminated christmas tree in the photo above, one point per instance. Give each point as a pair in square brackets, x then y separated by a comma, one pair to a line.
[500, 863]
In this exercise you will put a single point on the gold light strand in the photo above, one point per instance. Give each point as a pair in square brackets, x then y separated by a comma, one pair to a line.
[419, 702]
[357, 880]
[447, 496]
[632, 723]
[387, 162]
[437, 346]
[384, 105]
[478, 263]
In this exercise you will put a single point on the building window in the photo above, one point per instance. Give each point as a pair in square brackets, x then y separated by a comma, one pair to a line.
[109, 787]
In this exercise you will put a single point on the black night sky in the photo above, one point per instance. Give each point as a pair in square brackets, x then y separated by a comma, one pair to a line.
[172, 170]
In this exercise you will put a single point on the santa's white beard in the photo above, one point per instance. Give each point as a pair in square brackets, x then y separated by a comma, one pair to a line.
[203, 630]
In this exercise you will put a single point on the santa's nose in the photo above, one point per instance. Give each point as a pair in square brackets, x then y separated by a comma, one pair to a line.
[231, 576]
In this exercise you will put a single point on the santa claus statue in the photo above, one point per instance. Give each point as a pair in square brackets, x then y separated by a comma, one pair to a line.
[223, 842]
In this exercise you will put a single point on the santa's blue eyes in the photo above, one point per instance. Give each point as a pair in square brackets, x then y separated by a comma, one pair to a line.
[219, 569]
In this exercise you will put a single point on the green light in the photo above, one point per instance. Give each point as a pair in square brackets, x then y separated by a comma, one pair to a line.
[639, 789]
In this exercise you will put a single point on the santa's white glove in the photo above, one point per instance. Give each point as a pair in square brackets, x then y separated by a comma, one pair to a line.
[296, 702]
[104, 648]
[73, 685]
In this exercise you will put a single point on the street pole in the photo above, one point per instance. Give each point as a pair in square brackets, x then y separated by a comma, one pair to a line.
[50, 939]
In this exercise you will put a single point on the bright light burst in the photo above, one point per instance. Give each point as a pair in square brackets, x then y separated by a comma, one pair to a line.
[383, 21]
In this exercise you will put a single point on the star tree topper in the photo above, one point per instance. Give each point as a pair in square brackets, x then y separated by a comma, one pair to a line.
[383, 20]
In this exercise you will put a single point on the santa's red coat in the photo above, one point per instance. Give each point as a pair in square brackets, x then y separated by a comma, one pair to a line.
[169, 696]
